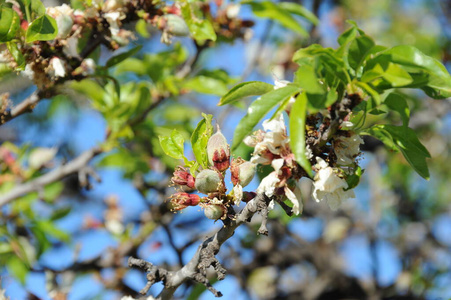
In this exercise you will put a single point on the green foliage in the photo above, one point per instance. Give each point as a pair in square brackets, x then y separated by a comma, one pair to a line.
[199, 139]
[9, 24]
[173, 144]
[297, 131]
[245, 89]
[259, 108]
[201, 29]
[282, 13]
[406, 140]
[43, 28]
[123, 56]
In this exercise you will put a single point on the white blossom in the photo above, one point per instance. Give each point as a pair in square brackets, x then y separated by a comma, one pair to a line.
[268, 184]
[233, 10]
[113, 19]
[296, 198]
[62, 15]
[274, 140]
[237, 194]
[329, 187]
[58, 68]
[28, 72]
[347, 148]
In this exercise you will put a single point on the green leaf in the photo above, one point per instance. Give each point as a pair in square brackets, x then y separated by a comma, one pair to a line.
[121, 57]
[259, 108]
[206, 85]
[406, 140]
[199, 140]
[299, 10]
[49, 228]
[246, 89]
[60, 213]
[9, 24]
[17, 55]
[354, 179]
[427, 73]
[201, 30]
[43, 28]
[297, 132]
[397, 103]
[37, 8]
[273, 11]
[173, 145]
[18, 268]
[358, 51]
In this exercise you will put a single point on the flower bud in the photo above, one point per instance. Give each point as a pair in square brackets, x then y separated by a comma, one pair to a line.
[208, 181]
[183, 177]
[242, 172]
[180, 201]
[214, 211]
[218, 151]
[174, 25]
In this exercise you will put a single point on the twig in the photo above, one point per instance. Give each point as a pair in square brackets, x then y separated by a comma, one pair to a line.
[57, 174]
[204, 257]
[25, 106]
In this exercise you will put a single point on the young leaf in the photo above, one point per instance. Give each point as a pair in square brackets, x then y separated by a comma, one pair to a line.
[406, 140]
[172, 145]
[17, 55]
[299, 10]
[9, 24]
[199, 140]
[259, 108]
[201, 30]
[17, 267]
[121, 57]
[42, 29]
[273, 11]
[397, 103]
[297, 132]
[246, 89]
[206, 85]
[427, 73]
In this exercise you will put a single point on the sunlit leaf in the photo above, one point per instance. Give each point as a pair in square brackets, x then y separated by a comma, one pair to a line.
[297, 131]
[42, 29]
[246, 89]
[259, 108]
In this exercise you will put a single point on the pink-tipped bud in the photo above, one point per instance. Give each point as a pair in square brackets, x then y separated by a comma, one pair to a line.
[242, 171]
[208, 181]
[183, 177]
[218, 151]
[214, 211]
[180, 201]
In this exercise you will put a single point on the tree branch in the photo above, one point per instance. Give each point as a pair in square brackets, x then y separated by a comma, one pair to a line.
[75, 166]
[204, 257]
[23, 107]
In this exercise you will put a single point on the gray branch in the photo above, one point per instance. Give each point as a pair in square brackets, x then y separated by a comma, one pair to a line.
[75, 166]
[204, 257]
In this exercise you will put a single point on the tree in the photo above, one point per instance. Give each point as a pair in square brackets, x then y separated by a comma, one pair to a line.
[140, 67]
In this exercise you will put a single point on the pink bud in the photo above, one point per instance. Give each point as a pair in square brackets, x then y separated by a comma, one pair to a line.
[180, 201]
[183, 177]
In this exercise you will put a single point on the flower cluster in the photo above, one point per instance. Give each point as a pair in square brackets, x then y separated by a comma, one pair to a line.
[211, 181]
[272, 147]
[333, 161]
